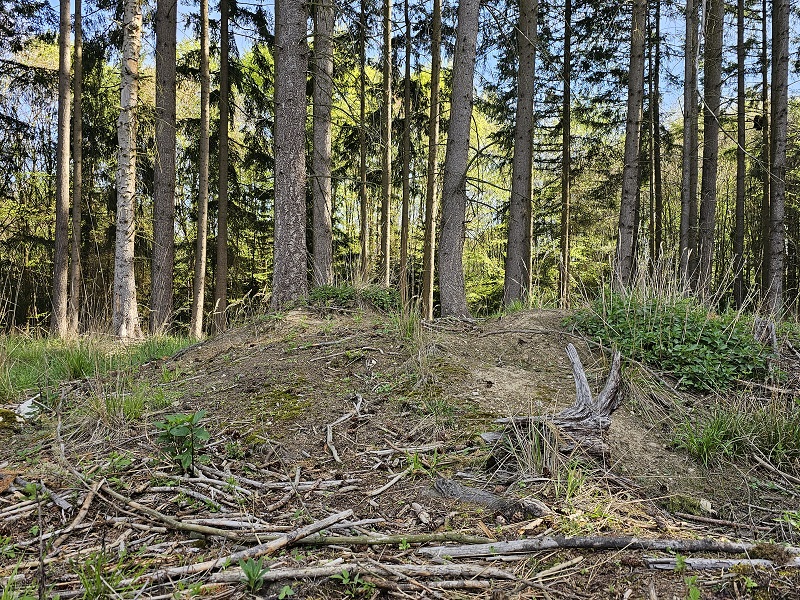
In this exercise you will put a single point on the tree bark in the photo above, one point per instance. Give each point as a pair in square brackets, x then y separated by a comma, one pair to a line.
[164, 168]
[712, 61]
[58, 323]
[221, 271]
[657, 178]
[73, 306]
[199, 289]
[321, 164]
[386, 145]
[566, 124]
[766, 126]
[406, 162]
[779, 124]
[741, 173]
[518, 254]
[125, 319]
[289, 280]
[433, 151]
[454, 201]
[689, 165]
[626, 247]
[362, 147]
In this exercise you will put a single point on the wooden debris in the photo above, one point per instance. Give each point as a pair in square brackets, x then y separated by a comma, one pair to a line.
[671, 564]
[584, 425]
[597, 543]
[255, 552]
[508, 507]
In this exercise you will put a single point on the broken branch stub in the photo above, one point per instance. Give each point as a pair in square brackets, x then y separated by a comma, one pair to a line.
[584, 425]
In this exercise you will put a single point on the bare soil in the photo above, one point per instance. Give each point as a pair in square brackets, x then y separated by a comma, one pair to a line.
[418, 396]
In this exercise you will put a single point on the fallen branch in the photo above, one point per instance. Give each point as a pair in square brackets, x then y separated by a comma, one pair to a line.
[255, 552]
[447, 570]
[671, 564]
[598, 543]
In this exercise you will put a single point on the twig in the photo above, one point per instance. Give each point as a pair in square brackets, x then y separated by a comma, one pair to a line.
[721, 522]
[391, 482]
[261, 550]
[769, 466]
[42, 581]
[80, 516]
[715, 563]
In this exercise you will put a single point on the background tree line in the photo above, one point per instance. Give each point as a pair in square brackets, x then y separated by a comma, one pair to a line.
[473, 155]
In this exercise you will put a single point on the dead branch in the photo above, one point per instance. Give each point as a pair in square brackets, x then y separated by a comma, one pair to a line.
[256, 551]
[597, 543]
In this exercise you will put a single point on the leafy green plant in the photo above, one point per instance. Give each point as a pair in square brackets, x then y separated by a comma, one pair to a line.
[704, 350]
[285, 592]
[254, 571]
[404, 545]
[692, 591]
[7, 548]
[715, 437]
[354, 587]
[183, 437]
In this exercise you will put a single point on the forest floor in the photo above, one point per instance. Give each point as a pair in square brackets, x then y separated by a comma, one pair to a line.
[318, 412]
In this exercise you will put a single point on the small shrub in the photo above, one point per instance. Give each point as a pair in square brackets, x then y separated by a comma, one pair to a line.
[183, 437]
[380, 298]
[254, 571]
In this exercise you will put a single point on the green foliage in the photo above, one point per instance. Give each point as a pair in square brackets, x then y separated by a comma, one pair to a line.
[354, 587]
[286, 591]
[99, 577]
[183, 437]
[254, 571]
[704, 350]
[773, 431]
[32, 363]
[379, 298]
[9, 591]
[7, 548]
[692, 591]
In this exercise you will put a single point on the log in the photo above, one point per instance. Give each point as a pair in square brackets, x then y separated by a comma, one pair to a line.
[597, 543]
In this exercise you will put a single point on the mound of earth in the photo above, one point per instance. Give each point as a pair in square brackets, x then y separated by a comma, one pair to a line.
[316, 413]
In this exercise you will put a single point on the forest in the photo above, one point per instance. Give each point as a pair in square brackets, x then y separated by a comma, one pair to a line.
[165, 168]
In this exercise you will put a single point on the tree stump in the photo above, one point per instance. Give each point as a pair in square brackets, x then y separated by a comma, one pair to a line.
[540, 441]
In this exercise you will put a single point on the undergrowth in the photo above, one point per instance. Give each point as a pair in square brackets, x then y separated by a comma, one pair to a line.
[734, 432]
[34, 363]
[704, 350]
[386, 300]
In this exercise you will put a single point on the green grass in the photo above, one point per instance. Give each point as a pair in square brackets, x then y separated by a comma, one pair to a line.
[31, 363]
[738, 432]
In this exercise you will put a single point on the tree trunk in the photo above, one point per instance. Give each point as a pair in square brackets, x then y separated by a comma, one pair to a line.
[73, 307]
[779, 114]
[657, 179]
[221, 271]
[689, 166]
[362, 146]
[199, 291]
[712, 61]
[454, 200]
[406, 162]
[518, 253]
[321, 165]
[766, 168]
[741, 172]
[164, 168]
[125, 320]
[386, 145]
[433, 151]
[289, 280]
[566, 120]
[58, 323]
[626, 243]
